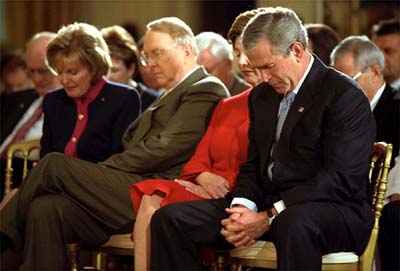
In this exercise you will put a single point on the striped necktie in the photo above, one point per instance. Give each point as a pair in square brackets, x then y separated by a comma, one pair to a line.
[24, 128]
[283, 111]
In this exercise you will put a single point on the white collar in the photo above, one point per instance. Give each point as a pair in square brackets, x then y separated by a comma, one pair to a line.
[396, 84]
[298, 86]
[180, 81]
[377, 96]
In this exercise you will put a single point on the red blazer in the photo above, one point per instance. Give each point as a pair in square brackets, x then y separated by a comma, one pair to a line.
[224, 146]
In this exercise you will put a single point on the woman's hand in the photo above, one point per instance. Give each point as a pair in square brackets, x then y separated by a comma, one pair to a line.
[194, 188]
[216, 186]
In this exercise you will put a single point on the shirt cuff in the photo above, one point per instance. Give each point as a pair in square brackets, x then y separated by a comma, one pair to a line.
[279, 206]
[243, 201]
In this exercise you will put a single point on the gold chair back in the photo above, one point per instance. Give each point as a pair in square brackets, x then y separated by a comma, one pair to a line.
[263, 253]
[29, 150]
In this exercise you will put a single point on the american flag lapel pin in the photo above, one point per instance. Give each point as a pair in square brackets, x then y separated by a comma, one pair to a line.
[301, 109]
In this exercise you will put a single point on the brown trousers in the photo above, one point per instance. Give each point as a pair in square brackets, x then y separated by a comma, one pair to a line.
[66, 200]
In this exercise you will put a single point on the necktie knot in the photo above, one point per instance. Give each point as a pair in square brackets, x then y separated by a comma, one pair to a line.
[287, 101]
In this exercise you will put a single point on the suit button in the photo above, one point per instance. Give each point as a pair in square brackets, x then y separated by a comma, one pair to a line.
[73, 139]
[80, 117]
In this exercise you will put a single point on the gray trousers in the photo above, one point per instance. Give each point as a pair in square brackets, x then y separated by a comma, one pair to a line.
[66, 200]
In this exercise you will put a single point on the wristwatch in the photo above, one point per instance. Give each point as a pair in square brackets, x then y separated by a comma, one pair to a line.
[270, 215]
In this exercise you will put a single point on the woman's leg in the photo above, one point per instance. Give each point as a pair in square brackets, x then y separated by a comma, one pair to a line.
[141, 234]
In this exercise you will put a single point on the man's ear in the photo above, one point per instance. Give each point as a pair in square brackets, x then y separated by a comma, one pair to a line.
[297, 49]
[376, 70]
[187, 49]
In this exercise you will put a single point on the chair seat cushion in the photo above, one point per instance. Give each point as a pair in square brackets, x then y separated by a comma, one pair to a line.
[262, 250]
[340, 257]
[120, 241]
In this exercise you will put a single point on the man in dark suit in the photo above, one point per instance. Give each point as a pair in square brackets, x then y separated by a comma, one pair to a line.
[360, 58]
[66, 200]
[306, 188]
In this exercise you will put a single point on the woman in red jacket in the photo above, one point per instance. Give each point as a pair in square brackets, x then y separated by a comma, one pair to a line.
[212, 170]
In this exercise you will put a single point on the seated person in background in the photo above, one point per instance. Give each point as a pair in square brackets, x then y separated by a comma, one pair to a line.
[19, 92]
[321, 40]
[29, 125]
[212, 170]
[389, 223]
[298, 187]
[67, 200]
[386, 35]
[361, 59]
[215, 55]
[125, 62]
[87, 118]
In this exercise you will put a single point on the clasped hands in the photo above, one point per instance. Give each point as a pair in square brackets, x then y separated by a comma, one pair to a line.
[244, 226]
[207, 185]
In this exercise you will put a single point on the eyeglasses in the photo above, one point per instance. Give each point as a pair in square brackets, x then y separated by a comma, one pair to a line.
[41, 72]
[355, 77]
[154, 55]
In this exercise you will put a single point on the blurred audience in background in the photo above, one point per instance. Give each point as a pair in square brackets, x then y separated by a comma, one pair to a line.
[13, 72]
[18, 91]
[216, 56]
[125, 62]
[321, 40]
[386, 35]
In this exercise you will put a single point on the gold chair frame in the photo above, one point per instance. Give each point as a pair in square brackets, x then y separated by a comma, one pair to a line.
[263, 253]
[26, 148]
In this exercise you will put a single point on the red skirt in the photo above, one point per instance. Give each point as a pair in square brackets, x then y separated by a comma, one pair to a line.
[173, 191]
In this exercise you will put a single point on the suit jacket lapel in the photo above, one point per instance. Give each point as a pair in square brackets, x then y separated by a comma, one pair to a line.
[303, 100]
[141, 125]
[265, 97]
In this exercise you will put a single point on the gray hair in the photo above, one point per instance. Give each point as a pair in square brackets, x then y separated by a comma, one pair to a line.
[179, 31]
[218, 46]
[364, 51]
[281, 27]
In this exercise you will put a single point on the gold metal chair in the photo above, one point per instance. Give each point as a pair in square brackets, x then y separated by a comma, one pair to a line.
[263, 253]
[28, 151]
